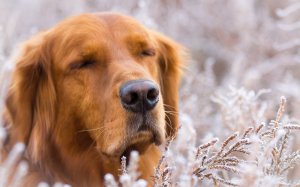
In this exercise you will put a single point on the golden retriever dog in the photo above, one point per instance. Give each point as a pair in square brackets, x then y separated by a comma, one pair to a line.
[89, 91]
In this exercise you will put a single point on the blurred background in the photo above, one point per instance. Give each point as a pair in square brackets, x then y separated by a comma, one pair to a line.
[244, 55]
[241, 51]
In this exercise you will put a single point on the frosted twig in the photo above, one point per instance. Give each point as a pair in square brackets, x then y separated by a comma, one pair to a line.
[225, 167]
[280, 111]
[291, 127]
[226, 142]
[235, 146]
[289, 27]
[223, 181]
[247, 132]
[287, 45]
[288, 10]
[205, 146]
[123, 165]
[259, 127]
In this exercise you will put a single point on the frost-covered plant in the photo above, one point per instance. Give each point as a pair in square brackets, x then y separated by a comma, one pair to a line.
[10, 163]
[130, 174]
[260, 156]
[242, 109]
[273, 153]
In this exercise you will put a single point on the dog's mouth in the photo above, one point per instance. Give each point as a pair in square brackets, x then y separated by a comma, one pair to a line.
[138, 142]
[141, 141]
[142, 131]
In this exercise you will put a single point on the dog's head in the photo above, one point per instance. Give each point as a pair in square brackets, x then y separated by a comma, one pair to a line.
[104, 77]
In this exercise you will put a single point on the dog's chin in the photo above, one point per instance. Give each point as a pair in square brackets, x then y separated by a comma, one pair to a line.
[144, 130]
[139, 141]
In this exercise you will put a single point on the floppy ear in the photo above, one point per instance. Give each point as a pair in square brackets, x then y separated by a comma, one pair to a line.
[31, 98]
[172, 57]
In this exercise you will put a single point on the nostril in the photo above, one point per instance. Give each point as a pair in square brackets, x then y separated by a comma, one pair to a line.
[129, 97]
[152, 94]
[132, 98]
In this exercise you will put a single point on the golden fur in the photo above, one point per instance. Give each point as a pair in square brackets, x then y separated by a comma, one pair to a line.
[64, 102]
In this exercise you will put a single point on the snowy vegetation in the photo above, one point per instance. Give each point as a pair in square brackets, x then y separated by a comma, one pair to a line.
[240, 97]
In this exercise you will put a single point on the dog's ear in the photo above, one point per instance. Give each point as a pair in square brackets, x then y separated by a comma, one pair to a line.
[172, 57]
[31, 97]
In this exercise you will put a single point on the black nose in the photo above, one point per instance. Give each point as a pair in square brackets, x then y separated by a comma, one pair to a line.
[139, 96]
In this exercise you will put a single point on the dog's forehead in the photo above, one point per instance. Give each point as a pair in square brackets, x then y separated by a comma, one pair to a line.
[100, 28]
[120, 22]
[104, 24]
[99, 34]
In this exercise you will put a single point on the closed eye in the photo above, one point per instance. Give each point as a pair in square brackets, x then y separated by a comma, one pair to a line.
[147, 52]
[87, 63]
[83, 64]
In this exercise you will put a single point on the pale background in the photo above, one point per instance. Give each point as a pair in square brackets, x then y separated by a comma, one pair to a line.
[237, 48]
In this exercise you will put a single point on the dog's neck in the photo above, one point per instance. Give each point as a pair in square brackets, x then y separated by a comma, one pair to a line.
[65, 156]
[69, 156]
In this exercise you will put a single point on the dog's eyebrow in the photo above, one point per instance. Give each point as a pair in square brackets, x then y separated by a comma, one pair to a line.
[139, 42]
[137, 38]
